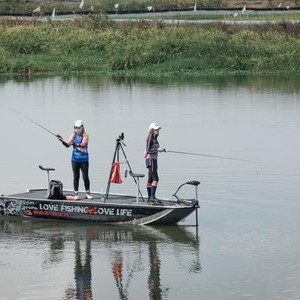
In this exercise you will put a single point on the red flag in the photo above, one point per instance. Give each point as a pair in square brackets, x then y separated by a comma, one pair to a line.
[115, 173]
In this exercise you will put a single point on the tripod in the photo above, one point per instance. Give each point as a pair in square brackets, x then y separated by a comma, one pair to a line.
[119, 145]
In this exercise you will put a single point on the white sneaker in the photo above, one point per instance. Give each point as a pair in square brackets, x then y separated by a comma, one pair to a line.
[88, 196]
[76, 197]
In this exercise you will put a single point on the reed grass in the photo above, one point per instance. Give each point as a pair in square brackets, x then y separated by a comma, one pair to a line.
[96, 45]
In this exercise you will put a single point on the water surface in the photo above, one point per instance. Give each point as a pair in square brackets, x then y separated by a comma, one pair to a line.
[248, 240]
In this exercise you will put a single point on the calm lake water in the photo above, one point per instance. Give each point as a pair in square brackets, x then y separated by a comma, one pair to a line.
[248, 242]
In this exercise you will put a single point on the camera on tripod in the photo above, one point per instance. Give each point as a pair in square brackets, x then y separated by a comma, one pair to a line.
[121, 137]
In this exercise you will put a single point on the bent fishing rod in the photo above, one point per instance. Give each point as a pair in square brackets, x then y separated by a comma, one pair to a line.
[206, 155]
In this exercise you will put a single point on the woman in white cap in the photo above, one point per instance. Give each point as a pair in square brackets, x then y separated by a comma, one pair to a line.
[151, 155]
[79, 139]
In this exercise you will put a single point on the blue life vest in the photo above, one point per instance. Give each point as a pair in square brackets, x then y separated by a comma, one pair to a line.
[79, 154]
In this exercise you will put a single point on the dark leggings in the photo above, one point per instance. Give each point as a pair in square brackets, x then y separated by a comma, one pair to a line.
[84, 167]
[152, 172]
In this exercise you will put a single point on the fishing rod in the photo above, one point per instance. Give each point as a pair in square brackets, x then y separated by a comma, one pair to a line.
[36, 123]
[206, 155]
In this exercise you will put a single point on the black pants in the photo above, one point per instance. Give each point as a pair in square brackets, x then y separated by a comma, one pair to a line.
[152, 172]
[84, 167]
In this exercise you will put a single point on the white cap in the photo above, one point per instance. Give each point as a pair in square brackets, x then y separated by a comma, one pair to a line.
[154, 126]
[78, 123]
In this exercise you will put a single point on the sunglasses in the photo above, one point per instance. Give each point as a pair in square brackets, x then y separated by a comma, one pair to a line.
[76, 127]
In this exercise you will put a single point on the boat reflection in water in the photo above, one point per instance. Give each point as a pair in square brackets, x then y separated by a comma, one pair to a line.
[152, 238]
[154, 285]
[83, 272]
[131, 254]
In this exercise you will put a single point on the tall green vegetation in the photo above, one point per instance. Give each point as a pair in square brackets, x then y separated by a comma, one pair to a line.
[98, 45]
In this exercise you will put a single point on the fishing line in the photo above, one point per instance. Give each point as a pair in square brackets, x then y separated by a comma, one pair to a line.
[36, 123]
[207, 155]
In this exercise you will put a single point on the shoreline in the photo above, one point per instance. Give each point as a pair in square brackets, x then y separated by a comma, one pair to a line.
[99, 45]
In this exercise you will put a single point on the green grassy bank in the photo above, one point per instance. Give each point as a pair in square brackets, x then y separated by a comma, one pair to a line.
[100, 46]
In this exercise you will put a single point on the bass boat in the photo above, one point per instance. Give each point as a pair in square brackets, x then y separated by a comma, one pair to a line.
[105, 207]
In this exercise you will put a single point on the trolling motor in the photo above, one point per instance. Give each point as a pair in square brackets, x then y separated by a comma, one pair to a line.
[188, 201]
[195, 201]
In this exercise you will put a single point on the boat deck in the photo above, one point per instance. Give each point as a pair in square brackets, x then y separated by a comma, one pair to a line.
[41, 194]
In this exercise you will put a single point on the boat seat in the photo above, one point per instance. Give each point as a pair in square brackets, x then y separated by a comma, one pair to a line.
[136, 175]
[46, 169]
[48, 177]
